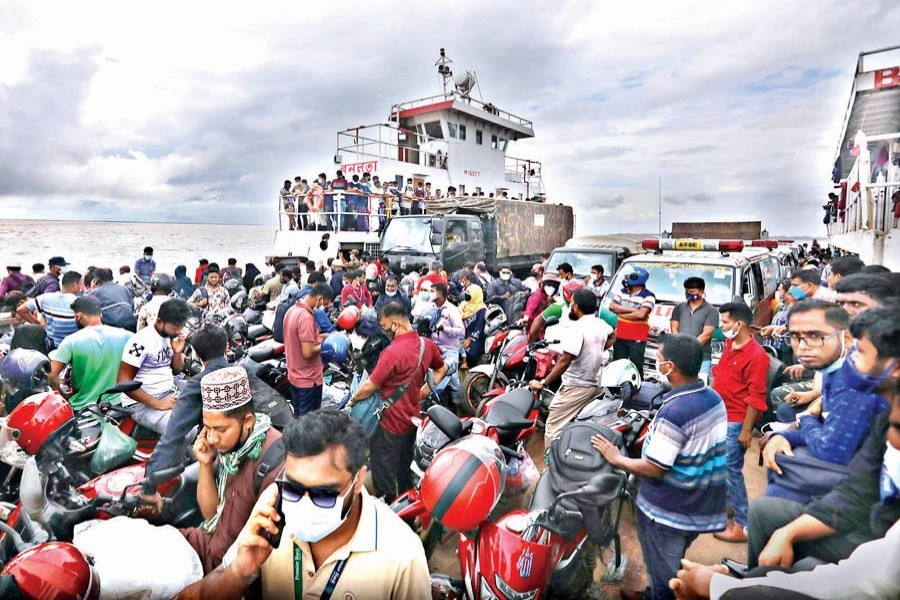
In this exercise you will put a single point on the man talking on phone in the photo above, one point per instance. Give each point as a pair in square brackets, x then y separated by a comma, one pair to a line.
[317, 533]
[239, 453]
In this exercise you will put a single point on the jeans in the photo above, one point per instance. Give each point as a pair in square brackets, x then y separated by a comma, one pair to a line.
[632, 350]
[451, 379]
[157, 420]
[390, 458]
[734, 459]
[663, 548]
[705, 368]
[306, 400]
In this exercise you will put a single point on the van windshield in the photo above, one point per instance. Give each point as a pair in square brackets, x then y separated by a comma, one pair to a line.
[667, 280]
[581, 261]
[408, 235]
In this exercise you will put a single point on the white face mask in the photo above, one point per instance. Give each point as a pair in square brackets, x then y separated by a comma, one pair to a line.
[505, 276]
[148, 257]
[665, 376]
[890, 474]
[549, 290]
[390, 293]
[310, 523]
[425, 296]
[733, 332]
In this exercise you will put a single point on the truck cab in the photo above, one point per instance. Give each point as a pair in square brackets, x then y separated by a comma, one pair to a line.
[416, 240]
[585, 252]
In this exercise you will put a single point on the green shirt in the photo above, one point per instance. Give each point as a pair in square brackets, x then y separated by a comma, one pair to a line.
[95, 354]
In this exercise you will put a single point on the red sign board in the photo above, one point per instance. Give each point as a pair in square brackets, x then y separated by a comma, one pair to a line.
[887, 78]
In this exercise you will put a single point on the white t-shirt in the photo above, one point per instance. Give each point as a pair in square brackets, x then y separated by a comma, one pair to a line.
[152, 354]
[148, 313]
[585, 340]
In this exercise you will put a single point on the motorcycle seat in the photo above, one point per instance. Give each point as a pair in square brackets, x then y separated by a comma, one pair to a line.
[512, 406]
[257, 331]
[543, 495]
[265, 352]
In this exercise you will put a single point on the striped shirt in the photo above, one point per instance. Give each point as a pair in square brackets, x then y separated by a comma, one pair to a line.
[55, 309]
[635, 330]
[687, 440]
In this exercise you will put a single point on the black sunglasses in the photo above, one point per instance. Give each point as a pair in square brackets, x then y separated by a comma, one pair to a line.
[291, 491]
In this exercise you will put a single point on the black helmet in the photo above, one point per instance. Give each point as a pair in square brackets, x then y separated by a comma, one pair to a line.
[372, 349]
[234, 286]
[161, 282]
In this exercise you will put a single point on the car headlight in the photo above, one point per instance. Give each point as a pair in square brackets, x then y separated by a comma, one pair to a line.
[510, 593]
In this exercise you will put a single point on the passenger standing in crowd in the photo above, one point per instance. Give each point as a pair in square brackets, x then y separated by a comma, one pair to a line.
[565, 272]
[597, 283]
[50, 282]
[583, 343]
[740, 378]
[472, 309]
[434, 275]
[862, 291]
[14, 281]
[393, 293]
[287, 203]
[116, 303]
[272, 287]
[806, 283]
[145, 266]
[356, 290]
[843, 266]
[533, 281]
[37, 272]
[682, 486]
[504, 287]
[200, 272]
[404, 362]
[698, 318]
[633, 306]
[232, 271]
[53, 310]
[298, 195]
[337, 277]
[303, 350]
[448, 334]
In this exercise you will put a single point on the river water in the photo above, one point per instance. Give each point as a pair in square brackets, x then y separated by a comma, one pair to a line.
[107, 244]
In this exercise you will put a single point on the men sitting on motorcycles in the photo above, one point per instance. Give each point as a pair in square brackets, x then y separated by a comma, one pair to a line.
[303, 349]
[834, 428]
[682, 465]
[153, 356]
[404, 362]
[393, 293]
[336, 541]
[116, 303]
[161, 285]
[210, 344]
[94, 352]
[504, 287]
[233, 448]
[213, 296]
[448, 334]
[536, 304]
[55, 310]
[582, 344]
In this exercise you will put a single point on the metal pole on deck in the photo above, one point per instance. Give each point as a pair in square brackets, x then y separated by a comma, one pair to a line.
[659, 231]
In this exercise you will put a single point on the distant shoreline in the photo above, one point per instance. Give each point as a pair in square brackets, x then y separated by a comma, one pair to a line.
[135, 222]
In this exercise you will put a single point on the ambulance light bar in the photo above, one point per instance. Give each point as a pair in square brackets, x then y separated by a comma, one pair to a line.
[693, 244]
[770, 244]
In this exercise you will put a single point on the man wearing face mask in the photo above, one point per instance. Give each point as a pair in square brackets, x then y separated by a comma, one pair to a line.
[336, 541]
[807, 283]
[393, 293]
[682, 465]
[535, 305]
[50, 282]
[240, 454]
[303, 349]
[740, 378]
[597, 282]
[504, 287]
[153, 356]
[578, 367]
[145, 266]
[448, 336]
[834, 429]
[424, 300]
[94, 352]
[533, 281]
[697, 318]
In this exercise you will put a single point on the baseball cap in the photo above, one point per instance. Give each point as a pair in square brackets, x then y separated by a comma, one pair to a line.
[58, 261]
[15, 264]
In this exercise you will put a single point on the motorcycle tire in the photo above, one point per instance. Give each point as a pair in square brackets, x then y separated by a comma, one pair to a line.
[576, 578]
[476, 387]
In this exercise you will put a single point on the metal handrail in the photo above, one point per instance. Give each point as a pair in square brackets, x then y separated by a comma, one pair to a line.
[358, 144]
[486, 107]
[334, 221]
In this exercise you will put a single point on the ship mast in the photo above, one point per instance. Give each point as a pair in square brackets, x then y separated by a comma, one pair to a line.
[443, 66]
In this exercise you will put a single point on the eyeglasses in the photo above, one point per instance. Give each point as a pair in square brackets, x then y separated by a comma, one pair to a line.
[291, 491]
[812, 340]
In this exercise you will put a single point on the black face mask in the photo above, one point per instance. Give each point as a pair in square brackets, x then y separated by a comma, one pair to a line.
[573, 316]
[467, 297]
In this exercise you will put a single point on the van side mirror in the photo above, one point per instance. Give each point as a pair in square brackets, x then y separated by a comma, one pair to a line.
[437, 227]
[436, 239]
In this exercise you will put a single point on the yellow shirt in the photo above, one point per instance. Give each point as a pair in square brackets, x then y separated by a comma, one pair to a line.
[384, 559]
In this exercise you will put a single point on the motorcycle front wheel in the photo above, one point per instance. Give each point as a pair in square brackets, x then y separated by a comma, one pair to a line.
[477, 385]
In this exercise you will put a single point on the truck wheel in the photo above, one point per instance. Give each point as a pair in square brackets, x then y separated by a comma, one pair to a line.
[575, 580]
[477, 385]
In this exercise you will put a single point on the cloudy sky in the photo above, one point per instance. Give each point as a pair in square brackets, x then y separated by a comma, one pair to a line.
[195, 112]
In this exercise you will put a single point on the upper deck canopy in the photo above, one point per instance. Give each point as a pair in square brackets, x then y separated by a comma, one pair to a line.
[519, 128]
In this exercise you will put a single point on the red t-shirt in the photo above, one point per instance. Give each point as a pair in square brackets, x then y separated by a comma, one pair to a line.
[362, 295]
[394, 368]
[740, 378]
[433, 278]
[300, 326]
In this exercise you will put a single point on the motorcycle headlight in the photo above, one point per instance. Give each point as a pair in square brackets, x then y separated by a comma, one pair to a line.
[510, 593]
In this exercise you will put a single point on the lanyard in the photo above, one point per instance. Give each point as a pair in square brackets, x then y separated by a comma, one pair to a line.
[298, 575]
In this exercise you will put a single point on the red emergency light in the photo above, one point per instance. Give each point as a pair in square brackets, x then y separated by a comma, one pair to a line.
[785, 241]
[693, 244]
[770, 244]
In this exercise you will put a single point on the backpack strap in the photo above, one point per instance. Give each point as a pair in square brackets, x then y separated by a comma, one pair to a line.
[402, 389]
[273, 456]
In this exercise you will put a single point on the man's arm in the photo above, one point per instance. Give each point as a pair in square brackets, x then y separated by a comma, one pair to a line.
[178, 354]
[706, 334]
[779, 551]
[673, 326]
[26, 313]
[558, 369]
[614, 457]
[56, 368]
[127, 372]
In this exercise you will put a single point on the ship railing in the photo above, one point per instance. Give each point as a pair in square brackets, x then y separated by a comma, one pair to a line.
[867, 205]
[388, 142]
[351, 211]
[485, 106]
[525, 172]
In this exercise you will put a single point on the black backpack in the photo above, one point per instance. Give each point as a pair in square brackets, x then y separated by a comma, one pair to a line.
[273, 457]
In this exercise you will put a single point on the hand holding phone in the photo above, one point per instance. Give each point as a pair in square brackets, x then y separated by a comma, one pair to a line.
[274, 539]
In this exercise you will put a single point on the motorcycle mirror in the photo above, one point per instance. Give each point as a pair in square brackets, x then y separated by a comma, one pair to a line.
[552, 321]
[446, 421]
[123, 388]
[163, 476]
[604, 484]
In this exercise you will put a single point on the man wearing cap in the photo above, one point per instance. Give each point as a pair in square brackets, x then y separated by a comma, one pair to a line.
[145, 266]
[15, 280]
[50, 282]
[234, 445]
[54, 310]
[94, 352]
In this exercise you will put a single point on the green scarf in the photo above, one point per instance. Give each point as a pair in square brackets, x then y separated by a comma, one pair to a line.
[230, 464]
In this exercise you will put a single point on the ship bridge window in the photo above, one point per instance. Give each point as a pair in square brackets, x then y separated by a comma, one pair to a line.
[462, 132]
[502, 144]
[478, 136]
[493, 142]
[433, 130]
[451, 128]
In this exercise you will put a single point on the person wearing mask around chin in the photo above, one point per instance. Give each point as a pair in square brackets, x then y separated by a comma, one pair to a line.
[682, 487]
[578, 368]
[740, 378]
[336, 541]
[393, 293]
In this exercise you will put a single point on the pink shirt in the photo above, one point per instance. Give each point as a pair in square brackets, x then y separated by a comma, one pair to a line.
[300, 326]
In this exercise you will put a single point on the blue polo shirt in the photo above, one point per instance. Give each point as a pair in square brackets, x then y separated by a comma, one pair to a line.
[56, 310]
[687, 440]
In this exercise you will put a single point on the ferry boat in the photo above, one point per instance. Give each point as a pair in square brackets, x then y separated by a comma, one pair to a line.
[866, 170]
[454, 138]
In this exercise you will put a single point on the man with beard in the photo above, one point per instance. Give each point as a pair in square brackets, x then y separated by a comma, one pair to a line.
[94, 352]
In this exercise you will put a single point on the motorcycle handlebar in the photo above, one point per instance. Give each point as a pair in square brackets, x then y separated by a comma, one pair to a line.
[511, 453]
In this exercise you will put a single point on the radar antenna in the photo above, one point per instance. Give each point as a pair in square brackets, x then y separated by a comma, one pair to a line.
[443, 66]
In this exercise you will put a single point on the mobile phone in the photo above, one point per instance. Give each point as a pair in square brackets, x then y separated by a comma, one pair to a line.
[274, 539]
[755, 327]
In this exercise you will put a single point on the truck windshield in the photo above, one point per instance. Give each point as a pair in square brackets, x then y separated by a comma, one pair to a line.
[667, 280]
[408, 235]
[581, 261]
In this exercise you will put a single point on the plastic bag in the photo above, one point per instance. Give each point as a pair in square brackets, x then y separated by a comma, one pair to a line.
[521, 474]
[115, 448]
[120, 548]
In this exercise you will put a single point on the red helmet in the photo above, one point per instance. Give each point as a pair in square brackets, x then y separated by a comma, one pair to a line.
[54, 571]
[464, 482]
[37, 418]
[572, 286]
[348, 318]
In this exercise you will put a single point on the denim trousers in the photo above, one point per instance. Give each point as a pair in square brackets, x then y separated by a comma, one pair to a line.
[736, 489]
[663, 548]
[305, 400]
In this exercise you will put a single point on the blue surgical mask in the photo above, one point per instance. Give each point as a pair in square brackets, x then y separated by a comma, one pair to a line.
[148, 257]
[864, 382]
[797, 293]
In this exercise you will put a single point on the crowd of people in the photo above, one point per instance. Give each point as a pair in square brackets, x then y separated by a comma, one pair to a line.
[830, 442]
